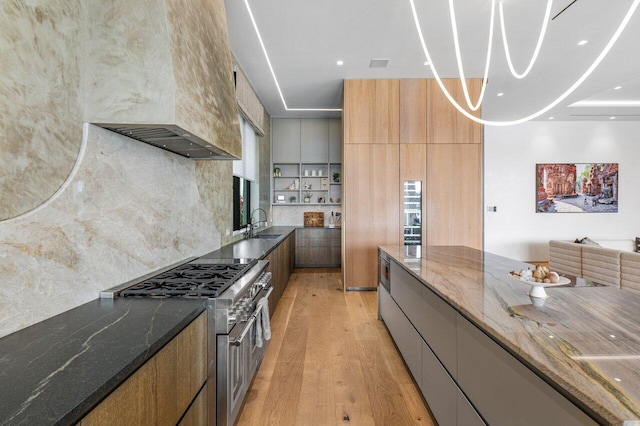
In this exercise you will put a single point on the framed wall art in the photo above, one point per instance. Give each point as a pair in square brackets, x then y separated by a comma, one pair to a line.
[577, 188]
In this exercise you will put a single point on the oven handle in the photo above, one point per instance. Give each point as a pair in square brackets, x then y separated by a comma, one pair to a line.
[254, 316]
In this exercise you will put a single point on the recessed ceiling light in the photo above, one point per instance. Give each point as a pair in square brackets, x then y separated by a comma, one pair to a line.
[340, 62]
[583, 42]
[617, 379]
[617, 88]
[552, 118]
[612, 118]
[500, 94]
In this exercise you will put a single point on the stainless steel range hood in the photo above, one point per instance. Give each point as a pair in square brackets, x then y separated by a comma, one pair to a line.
[171, 138]
[160, 72]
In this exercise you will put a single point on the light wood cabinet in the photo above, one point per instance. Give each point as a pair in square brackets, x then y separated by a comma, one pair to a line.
[445, 124]
[371, 111]
[160, 391]
[198, 412]
[454, 195]
[413, 111]
[435, 145]
[371, 215]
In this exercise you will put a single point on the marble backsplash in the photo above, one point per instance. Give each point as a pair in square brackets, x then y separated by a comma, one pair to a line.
[127, 209]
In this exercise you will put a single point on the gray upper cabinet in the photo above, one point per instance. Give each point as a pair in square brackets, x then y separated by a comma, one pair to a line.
[335, 140]
[287, 134]
[314, 140]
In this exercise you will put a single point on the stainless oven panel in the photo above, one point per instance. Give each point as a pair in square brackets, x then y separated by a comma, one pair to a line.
[384, 271]
[238, 360]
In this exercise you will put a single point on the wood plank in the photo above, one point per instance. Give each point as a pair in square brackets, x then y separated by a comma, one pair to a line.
[317, 392]
[359, 380]
[445, 124]
[413, 111]
[454, 195]
[198, 413]
[371, 111]
[371, 216]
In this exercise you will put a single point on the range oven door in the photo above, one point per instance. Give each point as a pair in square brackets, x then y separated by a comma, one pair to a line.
[238, 360]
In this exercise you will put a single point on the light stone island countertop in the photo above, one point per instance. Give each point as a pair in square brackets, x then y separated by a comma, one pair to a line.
[584, 341]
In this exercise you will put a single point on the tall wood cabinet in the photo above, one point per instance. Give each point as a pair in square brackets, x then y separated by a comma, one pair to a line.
[371, 215]
[402, 130]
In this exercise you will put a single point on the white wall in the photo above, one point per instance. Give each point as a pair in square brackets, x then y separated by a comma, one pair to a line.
[510, 156]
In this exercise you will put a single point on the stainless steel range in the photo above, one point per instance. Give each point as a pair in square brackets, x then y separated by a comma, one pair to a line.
[237, 290]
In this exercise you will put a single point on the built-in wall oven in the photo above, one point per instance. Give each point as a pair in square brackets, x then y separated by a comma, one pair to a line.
[383, 270]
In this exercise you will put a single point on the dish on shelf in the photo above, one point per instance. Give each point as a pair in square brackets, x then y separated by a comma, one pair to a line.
[334, 200]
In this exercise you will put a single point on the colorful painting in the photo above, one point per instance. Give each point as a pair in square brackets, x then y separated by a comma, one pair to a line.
[577, 188]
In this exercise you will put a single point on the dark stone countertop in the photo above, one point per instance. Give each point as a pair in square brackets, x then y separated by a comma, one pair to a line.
[55, 371]
[253, 248]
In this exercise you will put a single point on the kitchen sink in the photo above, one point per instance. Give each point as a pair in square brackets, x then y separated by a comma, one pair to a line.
[267, 236]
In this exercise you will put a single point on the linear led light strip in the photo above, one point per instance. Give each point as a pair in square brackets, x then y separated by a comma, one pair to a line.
[454, 29]
[621, 104]
[562, 97]
[507, 53]
[273, 74]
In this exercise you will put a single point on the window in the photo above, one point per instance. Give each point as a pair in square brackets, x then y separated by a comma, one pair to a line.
[245, 177]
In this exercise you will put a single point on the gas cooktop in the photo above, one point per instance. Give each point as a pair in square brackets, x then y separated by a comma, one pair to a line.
[199, 278]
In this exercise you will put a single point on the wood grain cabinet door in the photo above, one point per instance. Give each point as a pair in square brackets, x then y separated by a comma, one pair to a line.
[160, 391]
[413, 111]
[371, 111]
[454, 195]
[445, 124]
[371, 216]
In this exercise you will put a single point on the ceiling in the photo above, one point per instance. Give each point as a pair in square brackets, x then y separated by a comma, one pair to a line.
[305, 38]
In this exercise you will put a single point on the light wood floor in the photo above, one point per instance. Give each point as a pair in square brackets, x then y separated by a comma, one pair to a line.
[330, 362]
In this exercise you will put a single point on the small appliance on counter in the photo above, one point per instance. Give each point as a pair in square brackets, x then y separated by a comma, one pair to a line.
[237, 293]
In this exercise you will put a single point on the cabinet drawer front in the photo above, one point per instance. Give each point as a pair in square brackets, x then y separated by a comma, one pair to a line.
[434, 319]
[438, 388]
[467, 415]
[504, 391]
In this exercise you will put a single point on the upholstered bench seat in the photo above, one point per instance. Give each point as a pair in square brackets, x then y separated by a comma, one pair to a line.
[601, 264]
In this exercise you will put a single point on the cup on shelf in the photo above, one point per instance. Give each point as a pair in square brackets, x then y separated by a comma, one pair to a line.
[319, 172]
[306, 172]
[313, 172]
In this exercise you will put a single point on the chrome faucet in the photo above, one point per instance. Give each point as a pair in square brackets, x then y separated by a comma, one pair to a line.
[251, 225]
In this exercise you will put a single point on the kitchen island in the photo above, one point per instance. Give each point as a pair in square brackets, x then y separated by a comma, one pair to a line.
[577, 354]
[57, 371]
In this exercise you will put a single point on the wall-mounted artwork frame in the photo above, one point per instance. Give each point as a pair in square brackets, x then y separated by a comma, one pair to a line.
[577, 188]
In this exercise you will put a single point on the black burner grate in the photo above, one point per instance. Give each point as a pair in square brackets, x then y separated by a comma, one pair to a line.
[190, 280]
